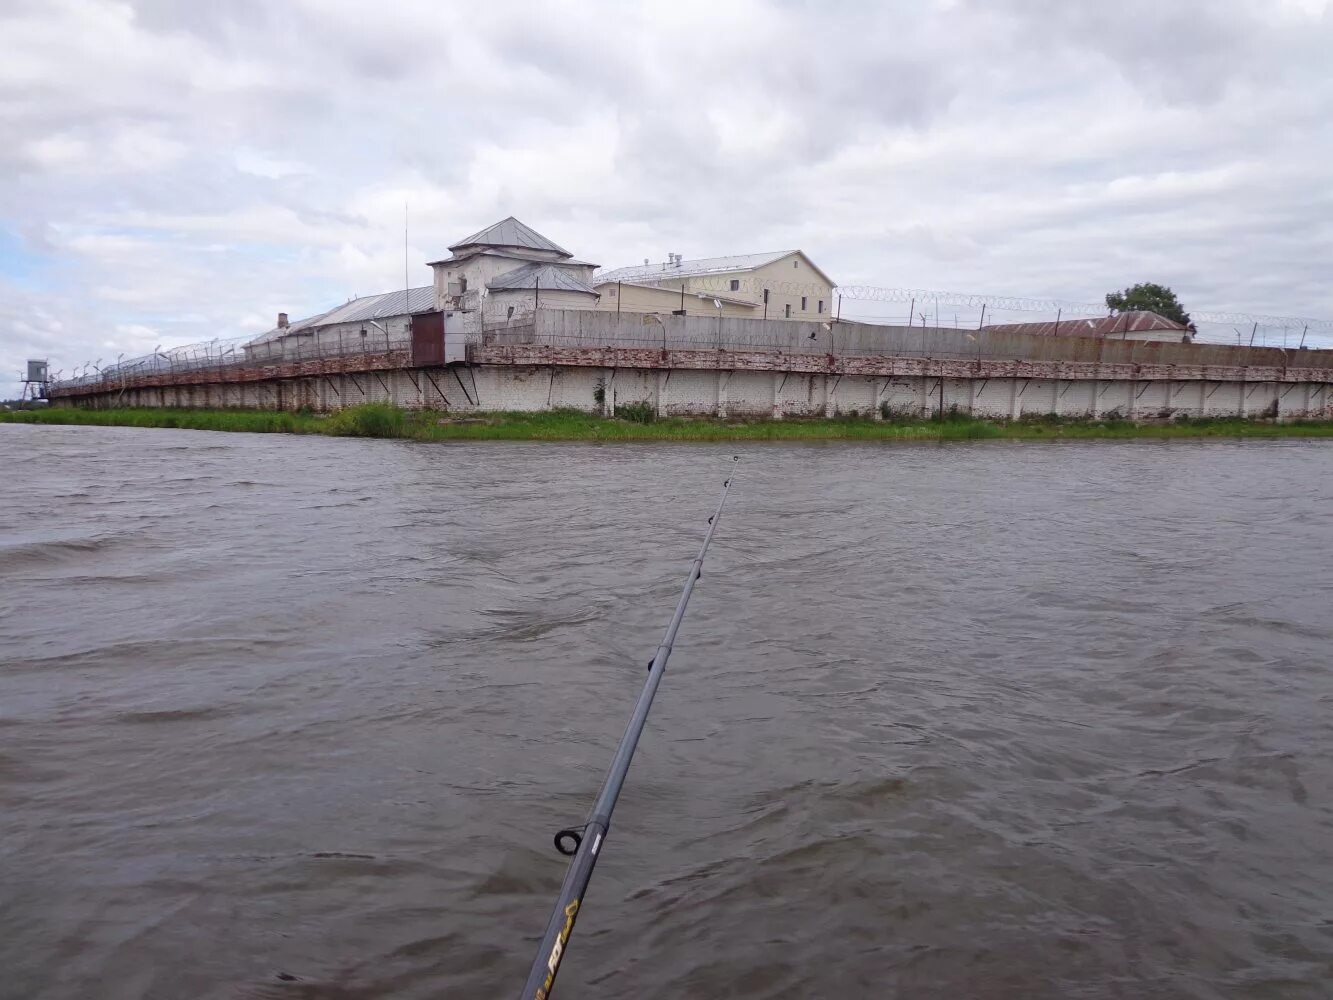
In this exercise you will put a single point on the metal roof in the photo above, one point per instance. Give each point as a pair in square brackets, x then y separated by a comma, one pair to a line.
[550, 276]
[359, 310]
[507, 253]
[511, 233]
[1099, 326]
[707, 265]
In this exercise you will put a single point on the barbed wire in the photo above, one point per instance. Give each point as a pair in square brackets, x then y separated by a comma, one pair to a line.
[248, 349]
[223, 353]
[753, 288]
[1009, 303]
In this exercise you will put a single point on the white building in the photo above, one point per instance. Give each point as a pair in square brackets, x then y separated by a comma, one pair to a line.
[504, 273]
[495, 276]
[508, 270]
[785, 284]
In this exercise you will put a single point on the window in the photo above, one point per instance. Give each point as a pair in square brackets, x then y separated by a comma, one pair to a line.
[796, 263]
[821, 305]
[612, 293]
[789, 310]
[803, 303]
[735, 284]
[462, 284]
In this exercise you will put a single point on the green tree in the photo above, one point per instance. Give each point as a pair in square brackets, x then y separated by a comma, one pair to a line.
[1149, 297]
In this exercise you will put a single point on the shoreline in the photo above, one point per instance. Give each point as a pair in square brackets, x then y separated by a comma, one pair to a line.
[569, 425]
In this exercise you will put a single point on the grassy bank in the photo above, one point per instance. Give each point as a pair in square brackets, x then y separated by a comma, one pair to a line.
[639, 425]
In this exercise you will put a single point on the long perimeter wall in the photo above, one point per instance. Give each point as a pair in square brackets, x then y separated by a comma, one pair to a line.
[531, 377]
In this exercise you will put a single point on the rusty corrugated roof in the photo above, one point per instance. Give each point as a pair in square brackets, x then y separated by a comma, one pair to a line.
[1101, 326]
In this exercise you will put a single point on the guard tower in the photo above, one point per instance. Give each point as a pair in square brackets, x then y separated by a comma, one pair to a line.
[34, 385]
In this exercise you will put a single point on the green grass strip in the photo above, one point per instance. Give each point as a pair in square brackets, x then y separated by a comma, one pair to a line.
[382, 421]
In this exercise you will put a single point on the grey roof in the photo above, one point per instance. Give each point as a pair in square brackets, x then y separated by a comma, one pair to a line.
[550, 276]
[511, 233]
[507, 253]
[707, 265]
[367, 307]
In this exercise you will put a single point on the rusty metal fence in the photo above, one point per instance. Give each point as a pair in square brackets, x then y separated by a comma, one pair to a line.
[214, 357]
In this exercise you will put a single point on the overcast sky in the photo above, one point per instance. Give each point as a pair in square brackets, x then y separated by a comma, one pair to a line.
[178, 171]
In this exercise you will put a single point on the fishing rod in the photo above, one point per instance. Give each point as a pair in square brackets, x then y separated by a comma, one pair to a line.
[584, 843]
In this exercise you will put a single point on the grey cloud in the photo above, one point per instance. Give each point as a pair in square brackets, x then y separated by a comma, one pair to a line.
[1188, 51]
[1016, 146]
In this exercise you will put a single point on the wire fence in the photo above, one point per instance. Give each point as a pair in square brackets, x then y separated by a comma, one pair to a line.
[861, 320]
[235, 352]
[937, 308]
[574, 329]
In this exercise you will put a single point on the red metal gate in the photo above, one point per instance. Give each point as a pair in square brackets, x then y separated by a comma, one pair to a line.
[428, 339]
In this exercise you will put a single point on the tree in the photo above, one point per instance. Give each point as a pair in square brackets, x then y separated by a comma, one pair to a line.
[1149, 297]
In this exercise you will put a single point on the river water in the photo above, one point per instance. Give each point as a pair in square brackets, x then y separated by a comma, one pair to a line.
[290, 717]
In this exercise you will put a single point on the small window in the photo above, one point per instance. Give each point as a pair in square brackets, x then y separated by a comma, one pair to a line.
[462, 284]
[789, 310]
[802, 303]
[821, 305]
[612, 293]
[735, 284]
[796, 263]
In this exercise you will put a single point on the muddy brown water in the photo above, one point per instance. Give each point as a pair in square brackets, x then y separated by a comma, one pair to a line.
[287, 717]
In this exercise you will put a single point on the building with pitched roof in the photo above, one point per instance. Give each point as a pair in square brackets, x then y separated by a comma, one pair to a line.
[1131, 325]
[504, 273]
[508, 270]
[785, 284]
[368, 322]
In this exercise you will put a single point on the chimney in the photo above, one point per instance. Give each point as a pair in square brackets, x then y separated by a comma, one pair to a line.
[282, 321]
